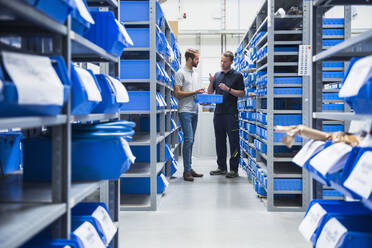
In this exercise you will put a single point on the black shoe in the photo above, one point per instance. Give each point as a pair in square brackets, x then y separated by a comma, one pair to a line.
[217, 172]
[232, 174]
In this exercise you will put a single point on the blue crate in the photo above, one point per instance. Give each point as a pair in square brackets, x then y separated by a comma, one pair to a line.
[279, 136]
[361, 102]
[333, 31]
[106, 33]
[333, 107]
[209, 98]
[79, 24]
[331, 193]
[56, 9]
[9, 97]
[333, 21]
[80, 103]
[285, 91]
[330, 96]
[139, 101]
[109, 102]
[286, 49]
[135, 69]
[332, 64]
[333, 75]
[285, 120]
[87, 163]
[329, 43]
[284, 184]
[141, 185]
[10, 152]
[142, 153]
[333, 128]
[288, 80]
[138, 11]
[140, 36]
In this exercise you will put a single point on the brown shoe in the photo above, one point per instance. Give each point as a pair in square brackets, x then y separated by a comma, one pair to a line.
[188, 177]
[194, 174]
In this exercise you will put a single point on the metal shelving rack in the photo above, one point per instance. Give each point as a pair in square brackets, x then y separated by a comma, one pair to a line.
[28, 208]
[139, 202]
[358, 46]
[291, 30]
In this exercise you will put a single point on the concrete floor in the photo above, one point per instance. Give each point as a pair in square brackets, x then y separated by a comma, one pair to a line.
[210, 212]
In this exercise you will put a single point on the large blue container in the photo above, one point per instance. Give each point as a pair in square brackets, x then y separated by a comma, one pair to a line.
[135, 69]
[78, 23]
[90, 157]
[138, 11]
[10, 152]
[9, 97]
[56, 9]
[109, 103]
[139, 101]
[80, 103]
[141, 185]
[106, 33]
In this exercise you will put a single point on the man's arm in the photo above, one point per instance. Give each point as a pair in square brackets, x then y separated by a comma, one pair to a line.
[239, 92]
[179, 93]
[210, 86]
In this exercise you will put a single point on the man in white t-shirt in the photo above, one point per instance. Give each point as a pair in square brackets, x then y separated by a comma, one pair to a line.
[186, 87]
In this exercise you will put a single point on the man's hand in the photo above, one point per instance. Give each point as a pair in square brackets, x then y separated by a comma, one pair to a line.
[199, 91]
[223, 87]
[211, 78]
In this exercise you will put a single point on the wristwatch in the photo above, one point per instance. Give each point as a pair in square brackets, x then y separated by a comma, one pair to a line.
[229, 89]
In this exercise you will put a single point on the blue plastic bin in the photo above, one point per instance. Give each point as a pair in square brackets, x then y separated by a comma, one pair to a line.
[285, 120]
[333, 21]
[285, 48]
[87, 162]
[285, 91]
[331, 193]
[330, 43]
[140, 36]
[209, 98]
[284, 184]
[10, 152]
[333, 107]
[331, 96]
[333, 75]
[142, 153]
[288, 80]
[333, 128]
[135, 69]
[141, 185]
[78, 23]
[109, 103]
[56, 9]
[105, 32]
[80, 103]
[332, 64]
[139, 101]
[138, 11]
[333, 31]
[9, 98]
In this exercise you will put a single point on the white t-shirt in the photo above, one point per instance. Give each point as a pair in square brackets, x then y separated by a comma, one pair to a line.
[188, 80]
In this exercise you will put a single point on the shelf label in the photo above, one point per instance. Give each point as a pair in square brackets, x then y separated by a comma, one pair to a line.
[88, 236]
[35, 78]
[121, 92]
[164, 180]
[104, 220]
[331, 235]
[127, 150]
[312, 221]
[304, 60]
[359, 179]
[310, 148]
[84, 12]
[89, 85]
[331, 159]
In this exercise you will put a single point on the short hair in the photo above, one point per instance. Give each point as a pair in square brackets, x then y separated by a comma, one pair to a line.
[190, 53]
[228, 54]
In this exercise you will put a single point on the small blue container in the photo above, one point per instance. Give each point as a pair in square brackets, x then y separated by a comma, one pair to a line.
[332, 64]
[333, 107]
[331, 96]
[333, 21]
[140, 36]
[285, 91]
[333, 75]
[333, 31]
[10, 152]
[80, 103]
[283, 184]
[286, 49]
[288, 80]
[135, 69]
[139, 101]
[9, 97]
[78, 23]
[330, 43]
[138, 11]
[142, 153]
[285, 120]
[141, 185]
[209, 98]
[333, 128]
[331, 193]
[56, 9]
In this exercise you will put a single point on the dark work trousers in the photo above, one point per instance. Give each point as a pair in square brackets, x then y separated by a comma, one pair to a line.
[227, 125]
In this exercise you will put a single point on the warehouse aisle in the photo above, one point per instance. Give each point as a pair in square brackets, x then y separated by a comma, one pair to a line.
[210, 212]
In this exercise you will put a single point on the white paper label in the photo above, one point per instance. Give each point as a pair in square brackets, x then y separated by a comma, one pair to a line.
[88, 236]
[107, 226]
[331, 235]
[304, 60]
[357, 77]
[331, 159]
[121, 92]
[165, 181]
[124, 32]
[89, 84]
[127, 150]
[84, 12]
[359, 180]
[36, 80]
[309, 149]
[311, 221]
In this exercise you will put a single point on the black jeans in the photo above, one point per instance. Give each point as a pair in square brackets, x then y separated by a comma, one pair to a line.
[227, 125]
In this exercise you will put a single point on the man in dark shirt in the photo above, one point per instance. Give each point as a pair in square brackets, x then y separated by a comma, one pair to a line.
[230, 84]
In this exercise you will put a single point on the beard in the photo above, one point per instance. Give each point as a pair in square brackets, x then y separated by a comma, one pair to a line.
[194, 64]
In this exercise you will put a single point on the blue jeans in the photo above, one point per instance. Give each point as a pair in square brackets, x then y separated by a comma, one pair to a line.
[189, 122]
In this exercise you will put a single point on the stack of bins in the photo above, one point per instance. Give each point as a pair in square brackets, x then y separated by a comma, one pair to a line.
[149, 70]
